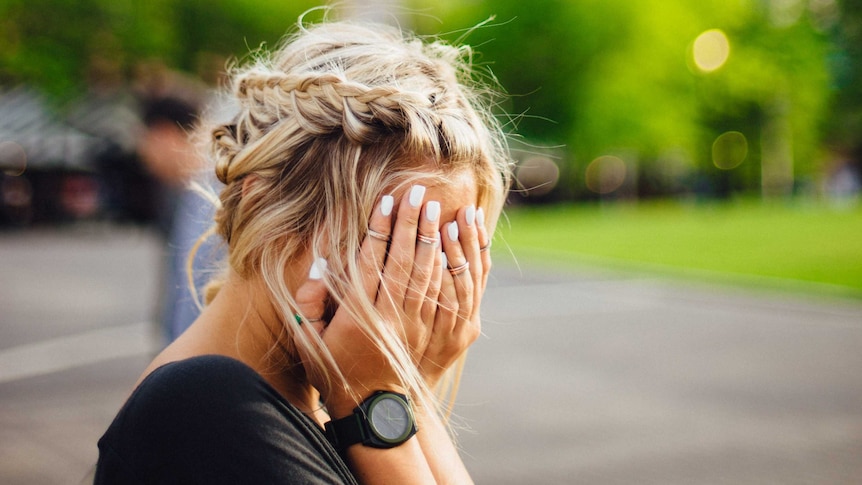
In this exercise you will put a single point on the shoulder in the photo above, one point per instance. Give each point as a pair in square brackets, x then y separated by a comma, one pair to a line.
[200, 396]
[213, 416]
[197, 380]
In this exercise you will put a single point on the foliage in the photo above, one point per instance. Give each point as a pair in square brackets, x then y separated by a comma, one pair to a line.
[615, 77]
[67, 46]
[599, 77]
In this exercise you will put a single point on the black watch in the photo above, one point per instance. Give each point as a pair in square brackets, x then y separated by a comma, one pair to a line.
[384, 420]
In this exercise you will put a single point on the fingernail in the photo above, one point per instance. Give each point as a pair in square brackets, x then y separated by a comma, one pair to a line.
[444, 260]
[416, 195]
[480, 216]
[453, 231]
[318, 267]
[432, 210]
[386, 205]
[470, 214]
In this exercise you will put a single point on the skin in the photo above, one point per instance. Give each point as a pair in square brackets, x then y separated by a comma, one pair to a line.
[439, 311]
[167, 153]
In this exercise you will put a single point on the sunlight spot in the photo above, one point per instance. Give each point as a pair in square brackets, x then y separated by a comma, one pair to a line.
[711, 50]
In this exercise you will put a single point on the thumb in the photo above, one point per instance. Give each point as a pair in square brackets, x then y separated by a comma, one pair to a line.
[311, 298]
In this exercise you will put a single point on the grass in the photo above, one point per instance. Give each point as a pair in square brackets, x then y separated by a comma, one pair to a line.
[768, 243]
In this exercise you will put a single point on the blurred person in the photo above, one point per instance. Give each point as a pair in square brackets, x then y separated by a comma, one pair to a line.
[183, 215]
[363, 178]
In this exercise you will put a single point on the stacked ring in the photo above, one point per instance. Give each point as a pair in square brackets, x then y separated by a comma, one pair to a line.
[459, 269]
[379, 235]
[427, 240]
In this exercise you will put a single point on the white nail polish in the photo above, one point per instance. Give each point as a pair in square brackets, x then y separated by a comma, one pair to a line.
[453, 231]
[432, 210]
[444, 260]
[318, 267]
[470, 215]
[480, 216]
[386, 205]
[416, 195]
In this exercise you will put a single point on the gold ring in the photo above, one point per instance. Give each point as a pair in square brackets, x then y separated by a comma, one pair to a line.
[379, 235]
[459, 269]
[427, 240]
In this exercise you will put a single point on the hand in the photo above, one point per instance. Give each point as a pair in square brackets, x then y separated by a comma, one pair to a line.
[457, 323]
[403, 287]
[433, 312]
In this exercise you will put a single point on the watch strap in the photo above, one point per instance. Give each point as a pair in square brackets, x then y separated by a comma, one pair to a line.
[346, 431]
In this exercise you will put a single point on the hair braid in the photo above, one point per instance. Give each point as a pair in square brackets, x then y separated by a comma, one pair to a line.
[323, 102]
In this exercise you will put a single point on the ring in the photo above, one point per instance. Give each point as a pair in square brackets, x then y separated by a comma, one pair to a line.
[379, 235]
[427, 240]
[298, 318]
[485, 248]
[459, 269]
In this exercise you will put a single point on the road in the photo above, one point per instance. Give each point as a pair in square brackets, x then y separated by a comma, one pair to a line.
[580, 377]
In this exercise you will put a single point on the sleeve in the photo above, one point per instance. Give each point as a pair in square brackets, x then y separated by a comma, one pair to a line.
[213, 420]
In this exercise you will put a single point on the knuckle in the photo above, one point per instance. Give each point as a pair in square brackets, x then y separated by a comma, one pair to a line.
[410, 219]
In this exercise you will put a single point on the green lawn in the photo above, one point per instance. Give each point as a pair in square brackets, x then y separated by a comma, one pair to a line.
[762, 243]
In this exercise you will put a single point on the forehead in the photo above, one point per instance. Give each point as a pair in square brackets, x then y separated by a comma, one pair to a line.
[458, 190]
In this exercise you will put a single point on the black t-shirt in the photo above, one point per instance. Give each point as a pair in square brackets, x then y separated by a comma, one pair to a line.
[214, 420]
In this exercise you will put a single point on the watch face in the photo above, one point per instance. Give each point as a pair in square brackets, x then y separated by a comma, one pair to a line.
[390, 419]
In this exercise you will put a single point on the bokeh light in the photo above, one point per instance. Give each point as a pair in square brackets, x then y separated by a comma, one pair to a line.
[784, 13]
[711, 50]
[13, 158]
[537, 176]
[605, 174]
[729, 150]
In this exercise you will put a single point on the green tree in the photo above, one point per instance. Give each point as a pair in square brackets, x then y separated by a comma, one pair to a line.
[65, 46]
[616, 77]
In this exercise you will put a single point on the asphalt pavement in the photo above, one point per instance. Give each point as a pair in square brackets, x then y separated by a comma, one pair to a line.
[581, 376]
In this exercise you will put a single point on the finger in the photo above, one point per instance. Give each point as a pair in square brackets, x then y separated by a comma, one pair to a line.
[469, 238]
[428, 312]
[458, 267]
[429, 307]
[447, 304]
[484, 247]
[440, 341]
[372, 252]
[399, 262]
[311, 298]
[427, 249]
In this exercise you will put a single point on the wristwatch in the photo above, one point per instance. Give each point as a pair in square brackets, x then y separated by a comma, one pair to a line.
[384, 420]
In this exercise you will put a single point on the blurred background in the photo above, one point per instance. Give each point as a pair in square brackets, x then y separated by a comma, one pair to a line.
[662, 145]
[708, 103]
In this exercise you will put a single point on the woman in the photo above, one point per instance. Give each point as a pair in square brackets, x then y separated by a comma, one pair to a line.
[362, 180]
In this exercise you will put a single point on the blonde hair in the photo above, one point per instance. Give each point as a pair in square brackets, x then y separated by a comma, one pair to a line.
[338, 114]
